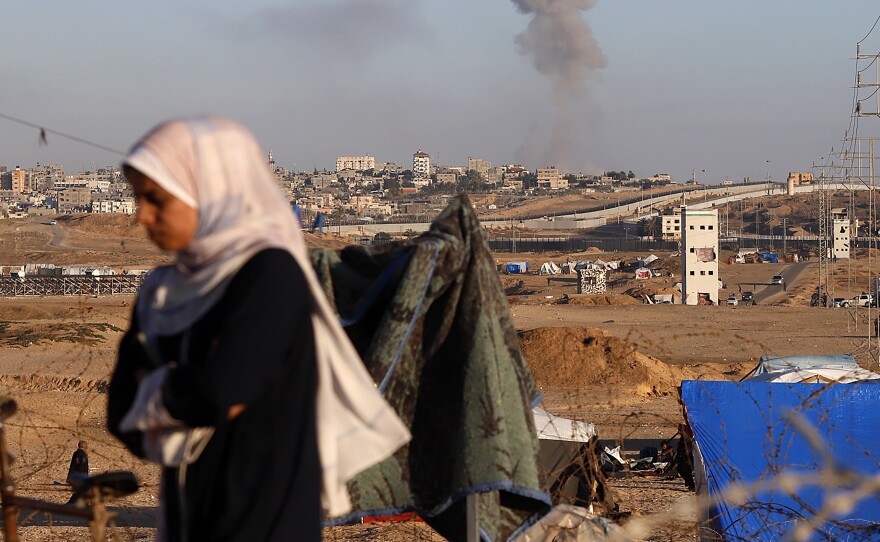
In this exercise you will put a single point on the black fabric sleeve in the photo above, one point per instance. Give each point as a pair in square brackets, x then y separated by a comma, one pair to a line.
[265, 310]
[131, 363]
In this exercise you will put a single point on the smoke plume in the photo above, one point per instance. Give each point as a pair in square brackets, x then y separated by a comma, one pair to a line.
[562, 47]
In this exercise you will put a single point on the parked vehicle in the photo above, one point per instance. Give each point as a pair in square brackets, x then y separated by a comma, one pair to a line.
[862, 300]
[777, 279]
[731, 300]
[840, 302]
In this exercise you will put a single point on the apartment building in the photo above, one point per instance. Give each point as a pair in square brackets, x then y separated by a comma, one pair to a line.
[357, 163]
[671, 219]
[480, 166]
[74, 199]
[114, 205]
[18, 178]
[550, 178]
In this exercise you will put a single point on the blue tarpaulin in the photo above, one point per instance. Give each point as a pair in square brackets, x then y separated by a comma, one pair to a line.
[517, 267]
[744, 434]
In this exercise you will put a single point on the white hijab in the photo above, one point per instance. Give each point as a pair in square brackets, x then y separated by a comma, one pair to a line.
[215, 166]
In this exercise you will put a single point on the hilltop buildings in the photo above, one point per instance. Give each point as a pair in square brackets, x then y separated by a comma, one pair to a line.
[360, 187]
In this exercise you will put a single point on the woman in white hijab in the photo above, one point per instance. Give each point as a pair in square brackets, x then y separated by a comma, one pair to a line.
[235, 374]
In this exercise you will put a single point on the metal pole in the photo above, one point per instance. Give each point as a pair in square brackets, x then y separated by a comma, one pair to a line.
[7, 484]
[784, 243]
[473, 518]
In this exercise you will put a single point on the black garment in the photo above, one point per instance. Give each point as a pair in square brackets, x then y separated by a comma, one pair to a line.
[79, 464]
[259, 476]
[684, 460]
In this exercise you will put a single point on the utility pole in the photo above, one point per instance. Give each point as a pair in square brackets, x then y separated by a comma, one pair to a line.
[784, 244]
[513, 228]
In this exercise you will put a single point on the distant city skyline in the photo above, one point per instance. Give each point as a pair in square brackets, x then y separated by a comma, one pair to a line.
[746, 89]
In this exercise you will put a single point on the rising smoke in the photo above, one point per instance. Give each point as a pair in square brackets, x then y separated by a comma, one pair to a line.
[562, 47]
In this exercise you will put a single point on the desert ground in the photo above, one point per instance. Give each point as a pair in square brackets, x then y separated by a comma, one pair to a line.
[610, 360]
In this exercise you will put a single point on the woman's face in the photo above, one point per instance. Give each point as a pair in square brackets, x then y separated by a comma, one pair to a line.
[170, 223]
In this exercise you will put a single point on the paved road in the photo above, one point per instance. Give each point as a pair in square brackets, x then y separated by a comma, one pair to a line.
[770, 292]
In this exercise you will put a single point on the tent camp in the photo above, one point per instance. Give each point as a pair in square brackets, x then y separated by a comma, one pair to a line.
[746, 433]
[781, 363]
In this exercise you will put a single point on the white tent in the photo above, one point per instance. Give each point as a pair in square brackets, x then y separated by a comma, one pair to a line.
[822, 374]
[648, 259]
[550, 268]
[550, 427]
[563, 444]
[569, 267]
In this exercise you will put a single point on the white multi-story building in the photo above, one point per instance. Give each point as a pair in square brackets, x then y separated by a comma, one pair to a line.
[357, 163]
[841, 227]
[699, 256]
[123, 206]
[421, 165]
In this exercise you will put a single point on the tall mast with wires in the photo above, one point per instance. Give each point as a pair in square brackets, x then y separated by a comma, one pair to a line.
[862, 169]
[822, 290]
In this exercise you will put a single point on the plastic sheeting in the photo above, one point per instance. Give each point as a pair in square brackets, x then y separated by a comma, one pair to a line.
[781, 363]
[566, 523]
[823, 374]
[552, 427]
[745, 434]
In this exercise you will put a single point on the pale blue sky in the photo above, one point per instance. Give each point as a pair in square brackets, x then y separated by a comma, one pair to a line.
[688, 84]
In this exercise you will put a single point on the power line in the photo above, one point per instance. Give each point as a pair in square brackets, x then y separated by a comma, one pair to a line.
[44, 131]
[869, 31]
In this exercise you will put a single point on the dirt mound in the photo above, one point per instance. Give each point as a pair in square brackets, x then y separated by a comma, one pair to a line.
[640, 291]
[671, 264]
[331, 242]
[110, 223]
[52, 383]
[599, 299]
[577, 358]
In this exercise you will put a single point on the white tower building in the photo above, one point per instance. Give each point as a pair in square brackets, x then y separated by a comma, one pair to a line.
[840, 226]
[699, 256]
[421, 165]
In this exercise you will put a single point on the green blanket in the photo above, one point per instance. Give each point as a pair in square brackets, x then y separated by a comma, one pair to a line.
[432, 323]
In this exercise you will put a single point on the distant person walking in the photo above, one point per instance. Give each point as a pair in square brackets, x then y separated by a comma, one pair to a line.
[79, 465]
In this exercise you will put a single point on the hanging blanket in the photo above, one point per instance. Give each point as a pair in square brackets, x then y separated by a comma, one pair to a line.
[431, 321]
